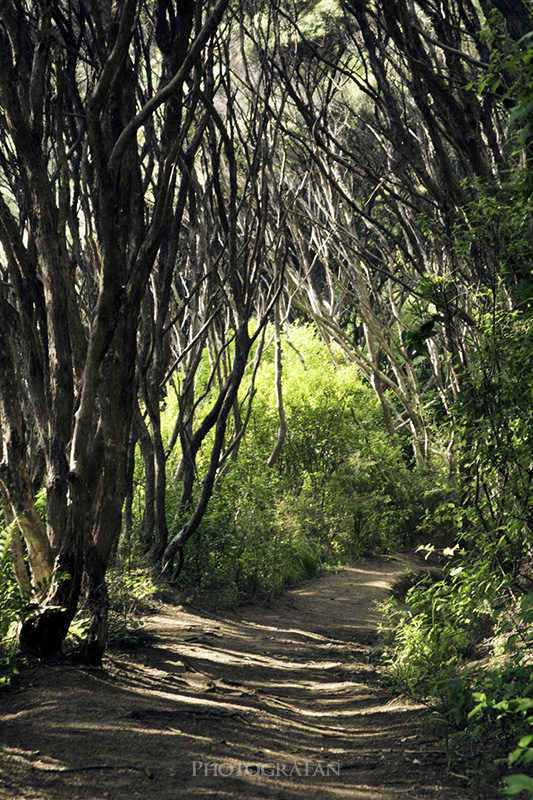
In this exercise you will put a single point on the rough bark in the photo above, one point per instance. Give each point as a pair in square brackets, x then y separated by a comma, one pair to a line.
[82, 232]
[282, 430]
[16, 488]
[227, 397]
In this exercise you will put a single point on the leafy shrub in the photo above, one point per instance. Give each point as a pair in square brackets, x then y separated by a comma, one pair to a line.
[425, 653]
[439, 623]
[10, 610]
[129, 593]
[340, 489]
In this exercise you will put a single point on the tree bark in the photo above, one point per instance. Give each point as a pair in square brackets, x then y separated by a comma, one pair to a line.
[224, 406]
[282, 431]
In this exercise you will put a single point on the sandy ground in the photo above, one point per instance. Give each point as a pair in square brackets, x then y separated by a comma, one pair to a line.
[280, 702]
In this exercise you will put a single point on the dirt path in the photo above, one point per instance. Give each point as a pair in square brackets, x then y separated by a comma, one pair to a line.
[279, 703]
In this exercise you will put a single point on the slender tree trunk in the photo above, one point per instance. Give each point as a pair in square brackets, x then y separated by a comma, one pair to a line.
[227, 398]
[147, 454]
[282, 431]
[117, 401]
[14, 477]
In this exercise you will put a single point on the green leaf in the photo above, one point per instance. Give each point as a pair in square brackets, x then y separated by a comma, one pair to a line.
[522, 752]
[518, 783]
[524, 703]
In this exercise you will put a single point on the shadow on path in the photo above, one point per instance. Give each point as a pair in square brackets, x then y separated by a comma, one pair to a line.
[280, 702]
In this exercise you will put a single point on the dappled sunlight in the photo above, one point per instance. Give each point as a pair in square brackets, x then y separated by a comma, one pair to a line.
[246, 690]
[237, 657]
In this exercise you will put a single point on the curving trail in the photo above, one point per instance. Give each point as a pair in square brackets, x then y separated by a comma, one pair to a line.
[278, 702]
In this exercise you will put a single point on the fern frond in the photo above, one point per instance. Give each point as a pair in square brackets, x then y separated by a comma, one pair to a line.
[5, 540]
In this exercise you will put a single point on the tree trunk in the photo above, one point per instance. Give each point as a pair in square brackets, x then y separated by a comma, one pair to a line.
[227, 398]
[97, 601]
[14, 477]
[147, 454]
[282, 431]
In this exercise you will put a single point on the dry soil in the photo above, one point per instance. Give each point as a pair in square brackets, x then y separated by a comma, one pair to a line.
[281, 702]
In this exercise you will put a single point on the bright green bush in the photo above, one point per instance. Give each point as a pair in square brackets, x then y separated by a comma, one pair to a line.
[485, 592]
[10, 610]
[437, 625]
[129, 593]
[340, 489]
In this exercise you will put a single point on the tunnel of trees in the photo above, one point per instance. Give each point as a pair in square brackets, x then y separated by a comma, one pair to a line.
[265, 294]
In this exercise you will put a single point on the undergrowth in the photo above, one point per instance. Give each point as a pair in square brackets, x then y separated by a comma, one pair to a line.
[10, 611]
[339, 490]
[460, 645]
[131, 592]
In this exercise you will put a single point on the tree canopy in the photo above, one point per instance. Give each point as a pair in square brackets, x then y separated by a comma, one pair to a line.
[184, 182]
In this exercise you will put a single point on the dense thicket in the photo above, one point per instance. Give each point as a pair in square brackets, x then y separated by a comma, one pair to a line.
[99, 121]
[192, 194]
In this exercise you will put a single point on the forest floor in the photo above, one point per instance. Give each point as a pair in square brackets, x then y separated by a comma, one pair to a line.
[281, 701]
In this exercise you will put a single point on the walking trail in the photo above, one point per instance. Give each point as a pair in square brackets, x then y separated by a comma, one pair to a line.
[280, 702]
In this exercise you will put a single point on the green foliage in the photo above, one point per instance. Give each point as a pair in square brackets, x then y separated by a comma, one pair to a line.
[484, 590]
[494, 229]
[510, 78]
[511, 73]
[40, 504]
[496, 423]
[319, 19]
[436, 632]
[504, 696]
[10, 609]
[514, 784]
[493, 706]
[439, 623]
[129, 593]
[14, 607]
[79, 627]
[414, 339]
[340, 489]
